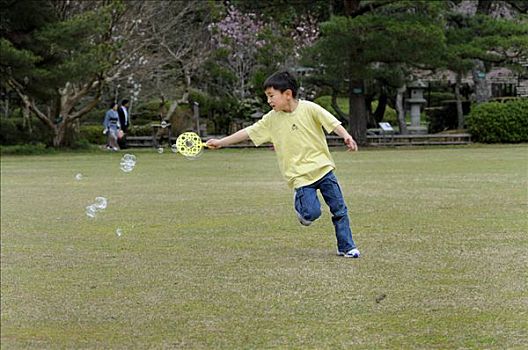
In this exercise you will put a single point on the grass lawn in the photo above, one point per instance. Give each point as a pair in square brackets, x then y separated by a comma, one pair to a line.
[212, 256]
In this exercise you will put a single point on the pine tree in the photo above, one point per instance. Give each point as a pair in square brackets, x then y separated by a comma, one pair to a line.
[376, 39]
[57, 59]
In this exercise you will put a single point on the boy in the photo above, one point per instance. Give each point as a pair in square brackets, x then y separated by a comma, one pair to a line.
[295, 127]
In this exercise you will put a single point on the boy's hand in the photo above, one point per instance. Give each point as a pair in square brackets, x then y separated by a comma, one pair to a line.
[350, 143]
[105, 131]
[213, 144]
[347, 138]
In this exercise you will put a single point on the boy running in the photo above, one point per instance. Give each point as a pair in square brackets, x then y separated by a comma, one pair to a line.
[295, 127]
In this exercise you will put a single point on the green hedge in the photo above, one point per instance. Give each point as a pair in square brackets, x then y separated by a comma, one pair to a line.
[140, 130]
[27, 149]
[496, 122]
[436, 99]
[445, 117]
[13, 132]
[390, 115]
[93, 134]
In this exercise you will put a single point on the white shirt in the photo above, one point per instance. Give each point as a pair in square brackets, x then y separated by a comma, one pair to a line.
[126, 114]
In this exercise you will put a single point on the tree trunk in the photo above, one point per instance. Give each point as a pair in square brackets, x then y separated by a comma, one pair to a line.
[59, 133]
[59, 118]
[400, 110]
[358, 111]
[6, 107]
[460, 112]
[380, 110]
[26, 119]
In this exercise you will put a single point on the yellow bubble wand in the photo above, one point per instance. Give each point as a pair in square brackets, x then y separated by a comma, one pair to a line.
[189, 144]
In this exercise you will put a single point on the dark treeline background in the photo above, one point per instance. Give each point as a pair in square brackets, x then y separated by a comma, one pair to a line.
[63, 62]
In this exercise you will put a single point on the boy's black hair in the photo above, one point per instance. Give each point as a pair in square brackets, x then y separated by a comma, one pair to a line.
[112, 104]
[124, 102]
[282, 81]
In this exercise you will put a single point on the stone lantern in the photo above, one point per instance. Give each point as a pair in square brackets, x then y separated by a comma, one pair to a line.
[415, 102]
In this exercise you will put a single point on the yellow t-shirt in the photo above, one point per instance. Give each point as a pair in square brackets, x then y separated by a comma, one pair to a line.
[299, 141]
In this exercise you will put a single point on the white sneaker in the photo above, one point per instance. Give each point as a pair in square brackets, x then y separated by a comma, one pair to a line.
[352, 253]
[302, 220]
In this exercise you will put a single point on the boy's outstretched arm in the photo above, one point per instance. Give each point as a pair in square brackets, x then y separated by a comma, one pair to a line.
[347, 138]
[239, 136]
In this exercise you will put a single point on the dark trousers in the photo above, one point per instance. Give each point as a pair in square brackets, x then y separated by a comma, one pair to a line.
[122, 142]
[307, 204]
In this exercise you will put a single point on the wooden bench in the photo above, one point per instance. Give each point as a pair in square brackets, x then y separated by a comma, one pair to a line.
[143, 141]
[336, 141]
[139, 141]
[419, 140]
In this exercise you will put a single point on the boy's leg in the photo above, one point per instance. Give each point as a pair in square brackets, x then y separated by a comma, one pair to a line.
[307, 205]
[334, 199]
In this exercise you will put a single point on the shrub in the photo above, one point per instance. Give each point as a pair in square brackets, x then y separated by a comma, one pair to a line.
[38, 148]
[83, 145]
[92, 134]
[496, 122]
[140, 130]
[147, 112]
[95, 116]
[390, 115]
[436, 99]
[13, 131]
[10, 133]
[445, 117]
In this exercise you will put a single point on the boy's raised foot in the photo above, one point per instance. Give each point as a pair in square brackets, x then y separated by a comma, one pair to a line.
[302, 220]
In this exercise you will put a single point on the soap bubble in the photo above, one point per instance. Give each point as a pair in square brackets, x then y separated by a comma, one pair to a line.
[126, 167]
[128, 162]
[160, 150]
[100, 202]
[129, 158]
[91, 210]
[78, 177]
[119, 232]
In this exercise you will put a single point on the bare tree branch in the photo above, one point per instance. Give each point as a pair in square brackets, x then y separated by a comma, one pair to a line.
[29, 103]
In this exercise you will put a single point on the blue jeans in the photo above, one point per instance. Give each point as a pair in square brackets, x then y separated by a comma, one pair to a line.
[307, 204]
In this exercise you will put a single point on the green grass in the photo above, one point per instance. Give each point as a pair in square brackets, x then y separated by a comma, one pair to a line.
[212, 256]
